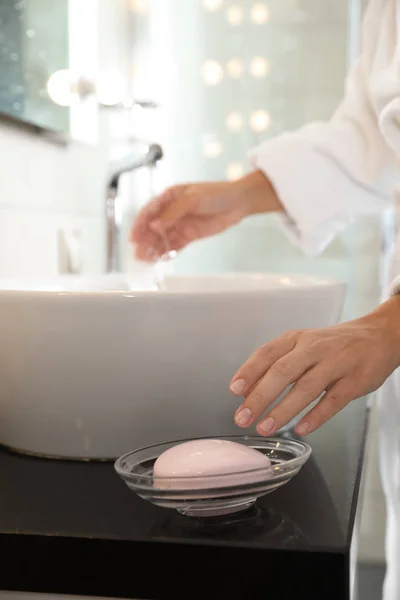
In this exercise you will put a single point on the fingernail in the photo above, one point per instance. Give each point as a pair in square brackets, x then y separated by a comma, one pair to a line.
[302, 428]
[238, 387]
[244, 417]
[265, 427]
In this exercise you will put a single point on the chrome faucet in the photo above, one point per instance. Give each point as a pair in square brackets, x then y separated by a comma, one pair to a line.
[131, 162]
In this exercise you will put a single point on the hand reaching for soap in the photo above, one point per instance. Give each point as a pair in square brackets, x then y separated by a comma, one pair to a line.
[343, 363]
[186, 213]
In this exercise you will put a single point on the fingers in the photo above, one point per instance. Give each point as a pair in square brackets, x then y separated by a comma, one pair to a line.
[292, 359]
[172, 212]
[285, 371]
[306, 390]
[151, 250]
[330, 363]
[175, 239]
[259, 363]
[333, 401]
[153, 231]
[148, 213]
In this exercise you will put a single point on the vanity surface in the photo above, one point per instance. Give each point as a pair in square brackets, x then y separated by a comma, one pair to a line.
[75, 528]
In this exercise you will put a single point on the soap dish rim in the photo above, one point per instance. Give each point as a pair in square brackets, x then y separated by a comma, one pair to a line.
[291, 465]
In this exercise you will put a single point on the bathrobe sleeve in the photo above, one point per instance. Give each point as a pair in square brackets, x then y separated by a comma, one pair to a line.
[328, 172]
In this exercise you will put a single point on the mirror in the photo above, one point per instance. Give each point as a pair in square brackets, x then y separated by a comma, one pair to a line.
[38, 39]
[33, 45]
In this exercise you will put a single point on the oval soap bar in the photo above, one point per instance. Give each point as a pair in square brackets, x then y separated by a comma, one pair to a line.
[202, 458]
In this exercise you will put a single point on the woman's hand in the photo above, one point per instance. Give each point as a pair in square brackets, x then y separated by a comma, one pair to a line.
[186, 213]
[344, 362]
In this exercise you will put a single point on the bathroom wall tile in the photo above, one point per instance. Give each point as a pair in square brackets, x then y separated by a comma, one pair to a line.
[29, 242]
[93, 244]
[43, 174]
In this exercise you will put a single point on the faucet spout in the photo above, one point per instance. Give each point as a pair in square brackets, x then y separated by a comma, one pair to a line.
[130, 162]
[133, 161]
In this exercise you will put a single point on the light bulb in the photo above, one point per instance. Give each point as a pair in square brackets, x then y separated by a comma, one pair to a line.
[259, 67]
[139, 6]
[62, 88]
[212, 72]
[212, 148]
[234, 171]
[110, 87]
[234, 15]
[212, 5]
[235, 68]
[234, 121]
[259, 13]
[260, 120]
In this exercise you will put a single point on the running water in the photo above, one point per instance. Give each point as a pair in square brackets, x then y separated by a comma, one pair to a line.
[160, 264]
[169, 254]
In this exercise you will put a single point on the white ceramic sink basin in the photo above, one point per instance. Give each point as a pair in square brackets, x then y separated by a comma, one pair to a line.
[88, 372]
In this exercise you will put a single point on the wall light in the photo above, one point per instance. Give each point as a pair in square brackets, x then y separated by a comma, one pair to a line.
[66, 88]
[212, 72]
[138, 6]
[260, 120]
[234, 15]
[259, 13]
[212, 5]
[111, 87]
[259, 67]
[235, 68]
[212, 148]
[234, 171]
[62, 87]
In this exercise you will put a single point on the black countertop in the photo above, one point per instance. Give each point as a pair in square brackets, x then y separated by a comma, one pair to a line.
[75, 528]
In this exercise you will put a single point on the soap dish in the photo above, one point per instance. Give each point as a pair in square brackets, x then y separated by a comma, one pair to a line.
[197, 496]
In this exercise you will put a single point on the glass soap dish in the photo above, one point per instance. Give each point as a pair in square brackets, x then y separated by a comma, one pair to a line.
[213, 495]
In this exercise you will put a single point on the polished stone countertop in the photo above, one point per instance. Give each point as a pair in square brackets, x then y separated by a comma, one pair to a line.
[75, 528]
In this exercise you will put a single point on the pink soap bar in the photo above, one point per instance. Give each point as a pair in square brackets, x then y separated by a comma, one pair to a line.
[202, 458]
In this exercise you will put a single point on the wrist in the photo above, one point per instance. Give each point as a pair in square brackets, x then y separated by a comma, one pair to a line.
[256, 194]
[387, 318]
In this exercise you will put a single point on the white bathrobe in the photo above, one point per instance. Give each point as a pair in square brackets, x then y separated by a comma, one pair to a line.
[326, 173]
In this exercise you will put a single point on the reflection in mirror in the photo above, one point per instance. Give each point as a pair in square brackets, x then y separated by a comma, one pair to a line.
[46, 49]
[33, 45]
